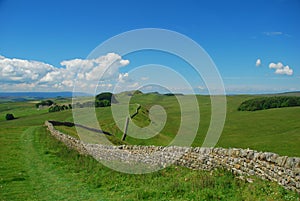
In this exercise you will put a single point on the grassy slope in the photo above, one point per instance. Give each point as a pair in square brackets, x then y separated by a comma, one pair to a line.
[34, 166]
[274, 130]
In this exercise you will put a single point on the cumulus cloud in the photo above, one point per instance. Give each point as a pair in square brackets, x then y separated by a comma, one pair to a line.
[279, 65]
[258, 62]
[284, 71]
[281, 69]
[124, 62]
[19, 74]
[22, 71]
[123, 77]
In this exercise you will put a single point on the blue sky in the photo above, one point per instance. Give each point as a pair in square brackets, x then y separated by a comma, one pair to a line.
[234, 33]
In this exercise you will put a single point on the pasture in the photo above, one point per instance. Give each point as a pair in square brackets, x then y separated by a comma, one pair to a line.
[35, 166]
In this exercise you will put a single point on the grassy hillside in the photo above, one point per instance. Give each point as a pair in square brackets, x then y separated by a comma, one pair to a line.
[35, 166]
[275, 130]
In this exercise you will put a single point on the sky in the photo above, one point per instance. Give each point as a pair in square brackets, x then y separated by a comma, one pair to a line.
[45, 45]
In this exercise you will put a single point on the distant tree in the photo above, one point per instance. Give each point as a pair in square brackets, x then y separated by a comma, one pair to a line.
[54, 108]
[44, 103]
[102, 103]
[106, 96]
[104, 99]
[57, 108]
[9, 117]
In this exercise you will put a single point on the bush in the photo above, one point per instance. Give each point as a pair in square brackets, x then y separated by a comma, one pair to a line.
[264, 103]
[9, 117]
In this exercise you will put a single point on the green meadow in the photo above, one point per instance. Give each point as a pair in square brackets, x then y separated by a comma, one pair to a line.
[35, 166]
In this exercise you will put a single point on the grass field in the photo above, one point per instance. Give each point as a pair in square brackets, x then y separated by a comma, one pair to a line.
[34, 166]
[273, 130]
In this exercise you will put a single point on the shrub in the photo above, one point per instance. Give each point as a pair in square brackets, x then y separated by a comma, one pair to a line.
[9, 117]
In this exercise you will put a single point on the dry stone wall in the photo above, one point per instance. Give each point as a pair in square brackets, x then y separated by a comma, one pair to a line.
[281, 169]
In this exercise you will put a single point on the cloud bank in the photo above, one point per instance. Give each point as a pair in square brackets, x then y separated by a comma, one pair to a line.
[27, 75]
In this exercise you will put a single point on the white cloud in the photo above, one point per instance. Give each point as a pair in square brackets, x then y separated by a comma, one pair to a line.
[284, 71]
[109, 85]
[281, 69]
[22, 75]
[276, 66]
[22, 71]
[51, 76]
[124, 62]
[273, 33]
[128, 86]
[104, 67]
[144, 78]
[258, 62]
[123, 77]
[201, 87]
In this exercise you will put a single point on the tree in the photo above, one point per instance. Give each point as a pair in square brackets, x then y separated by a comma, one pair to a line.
[9, 117]
[44, 103]
[106, 96]
[102, 103]
[105, 99]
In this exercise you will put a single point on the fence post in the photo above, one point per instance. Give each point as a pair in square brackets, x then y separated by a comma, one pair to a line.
[125, 129]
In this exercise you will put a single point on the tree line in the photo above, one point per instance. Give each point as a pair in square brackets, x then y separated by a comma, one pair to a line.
[57, 108]
[101, 100]
[264, 103]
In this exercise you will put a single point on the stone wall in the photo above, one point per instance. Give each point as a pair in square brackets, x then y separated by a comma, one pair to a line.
[281, 169]
[71, 142]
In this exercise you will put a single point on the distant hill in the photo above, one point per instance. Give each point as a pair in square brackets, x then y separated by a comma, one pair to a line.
[292, 93]
[23, 96]
[289, 93]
